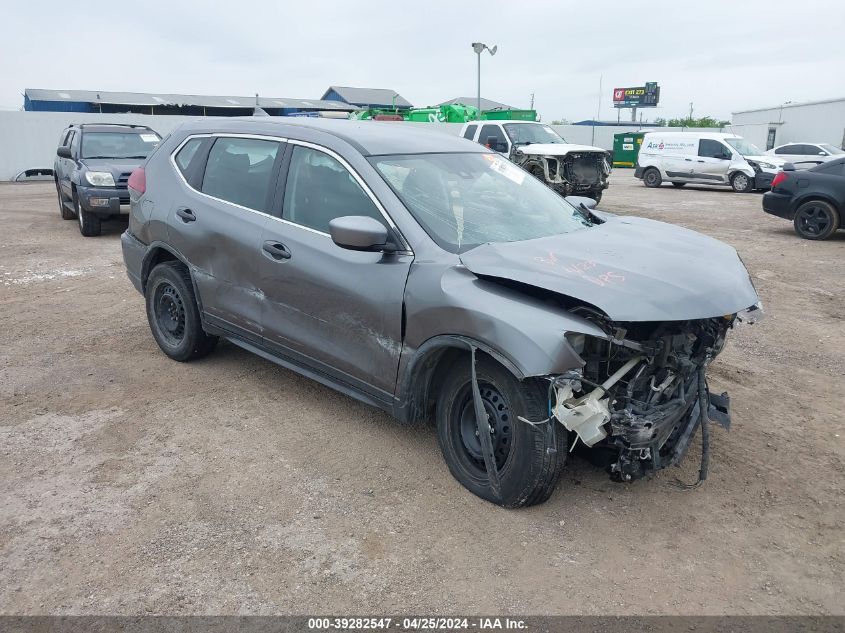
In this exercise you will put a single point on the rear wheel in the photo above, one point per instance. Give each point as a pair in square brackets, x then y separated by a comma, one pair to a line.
[66, 213]
[529, 459]
[816, 220]
[173, 314]
[652, 177]
[742, 183]
[89, 223]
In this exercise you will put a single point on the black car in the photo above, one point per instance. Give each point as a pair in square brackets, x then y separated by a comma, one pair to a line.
[92, 167]
[814, 199]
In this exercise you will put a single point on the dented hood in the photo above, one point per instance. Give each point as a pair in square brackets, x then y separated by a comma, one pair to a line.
[556, 149]
[632, 269]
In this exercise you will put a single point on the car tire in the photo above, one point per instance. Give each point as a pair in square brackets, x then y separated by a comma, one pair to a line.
[173, 314]
[652, 177]
[678, 184]
[66, 213]
[816, 220]
[89, 223]
[530, 458]
[742, 183]
[596, 195]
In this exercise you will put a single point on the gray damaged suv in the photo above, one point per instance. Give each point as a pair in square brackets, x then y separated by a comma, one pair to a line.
[432, 278]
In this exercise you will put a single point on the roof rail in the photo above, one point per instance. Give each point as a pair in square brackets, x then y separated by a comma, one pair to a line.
[115, 124]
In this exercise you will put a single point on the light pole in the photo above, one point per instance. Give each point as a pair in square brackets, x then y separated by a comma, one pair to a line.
[478, 47]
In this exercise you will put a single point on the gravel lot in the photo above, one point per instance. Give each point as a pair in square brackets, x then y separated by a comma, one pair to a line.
[131, 484]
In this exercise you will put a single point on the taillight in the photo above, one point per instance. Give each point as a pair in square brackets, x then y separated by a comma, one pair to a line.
[779, 178]
[138, 180]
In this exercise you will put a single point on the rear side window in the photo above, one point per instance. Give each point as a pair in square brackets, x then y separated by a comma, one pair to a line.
[187, 153]
[711, 149]
[835, 169]
[239, 170]
[320, 189]
[470, 132]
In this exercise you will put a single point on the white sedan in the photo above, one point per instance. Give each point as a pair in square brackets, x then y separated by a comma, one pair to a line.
[806, 155]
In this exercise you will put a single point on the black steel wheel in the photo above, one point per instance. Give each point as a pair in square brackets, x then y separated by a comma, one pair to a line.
[528, 458]
[652, 177]
[173, 314]
[500, 423]
[816, 220]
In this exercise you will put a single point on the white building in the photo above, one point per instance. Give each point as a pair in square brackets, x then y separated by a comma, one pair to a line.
[810, 122]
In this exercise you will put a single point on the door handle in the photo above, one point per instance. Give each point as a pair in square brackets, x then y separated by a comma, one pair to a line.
[276, 250]
[187, 215]
[689, 160]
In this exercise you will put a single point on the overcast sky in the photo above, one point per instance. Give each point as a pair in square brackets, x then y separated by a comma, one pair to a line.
[723, 56]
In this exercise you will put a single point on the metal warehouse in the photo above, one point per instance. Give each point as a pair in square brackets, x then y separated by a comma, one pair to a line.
[102, 102]
[809, 122]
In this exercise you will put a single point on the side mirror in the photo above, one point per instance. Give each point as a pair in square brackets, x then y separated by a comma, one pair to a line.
[822, 153]
[577, 201]
[63, 152]
[495, 144]
[359, 233]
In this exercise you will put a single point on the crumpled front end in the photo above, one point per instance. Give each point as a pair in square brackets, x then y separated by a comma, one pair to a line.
[570, 174]
[640, 393]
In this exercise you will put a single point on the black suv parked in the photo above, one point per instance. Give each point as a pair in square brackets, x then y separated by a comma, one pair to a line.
[92, 167]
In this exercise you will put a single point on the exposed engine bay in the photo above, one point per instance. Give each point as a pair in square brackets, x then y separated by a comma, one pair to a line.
[569, 174]
[640, 394]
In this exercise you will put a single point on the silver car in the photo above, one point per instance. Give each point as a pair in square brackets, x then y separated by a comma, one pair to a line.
[430, 277]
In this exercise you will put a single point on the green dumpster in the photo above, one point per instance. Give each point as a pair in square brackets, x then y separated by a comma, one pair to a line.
[457, 113]
[509, 115]
[626, 147]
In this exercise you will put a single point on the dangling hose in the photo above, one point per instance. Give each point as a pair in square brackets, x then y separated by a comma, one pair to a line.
[705, 434]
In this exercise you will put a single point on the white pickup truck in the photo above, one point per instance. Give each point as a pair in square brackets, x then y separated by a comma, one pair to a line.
[567, 168]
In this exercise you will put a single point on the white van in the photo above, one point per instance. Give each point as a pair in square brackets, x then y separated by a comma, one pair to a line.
[706, 158]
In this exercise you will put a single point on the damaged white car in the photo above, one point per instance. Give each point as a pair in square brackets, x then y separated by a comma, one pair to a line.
[568, 168]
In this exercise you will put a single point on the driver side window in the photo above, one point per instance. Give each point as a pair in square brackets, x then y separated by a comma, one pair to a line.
[709, 148]
[320, 189]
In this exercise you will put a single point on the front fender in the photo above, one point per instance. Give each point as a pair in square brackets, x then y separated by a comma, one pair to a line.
[525, 332]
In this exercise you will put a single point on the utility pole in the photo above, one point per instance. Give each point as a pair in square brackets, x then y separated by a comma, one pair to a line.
[690, 114]
[532, 102]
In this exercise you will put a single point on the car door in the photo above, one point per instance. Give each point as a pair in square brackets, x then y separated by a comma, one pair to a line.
[335, 310]
[67, 166]
[711, 164]
[228, 184]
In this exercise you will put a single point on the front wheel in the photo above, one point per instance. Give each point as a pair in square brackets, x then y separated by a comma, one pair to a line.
[529, 459]
[816, 220]
[66, 213]
[173, 314]
[652, 178]
[742, 183]
[596, 195]
[89, 223]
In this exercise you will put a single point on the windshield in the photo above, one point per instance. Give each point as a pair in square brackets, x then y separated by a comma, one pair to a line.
[118, 144]
[830, 149]
[744, 147]
[464, 200]
[532, 133]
